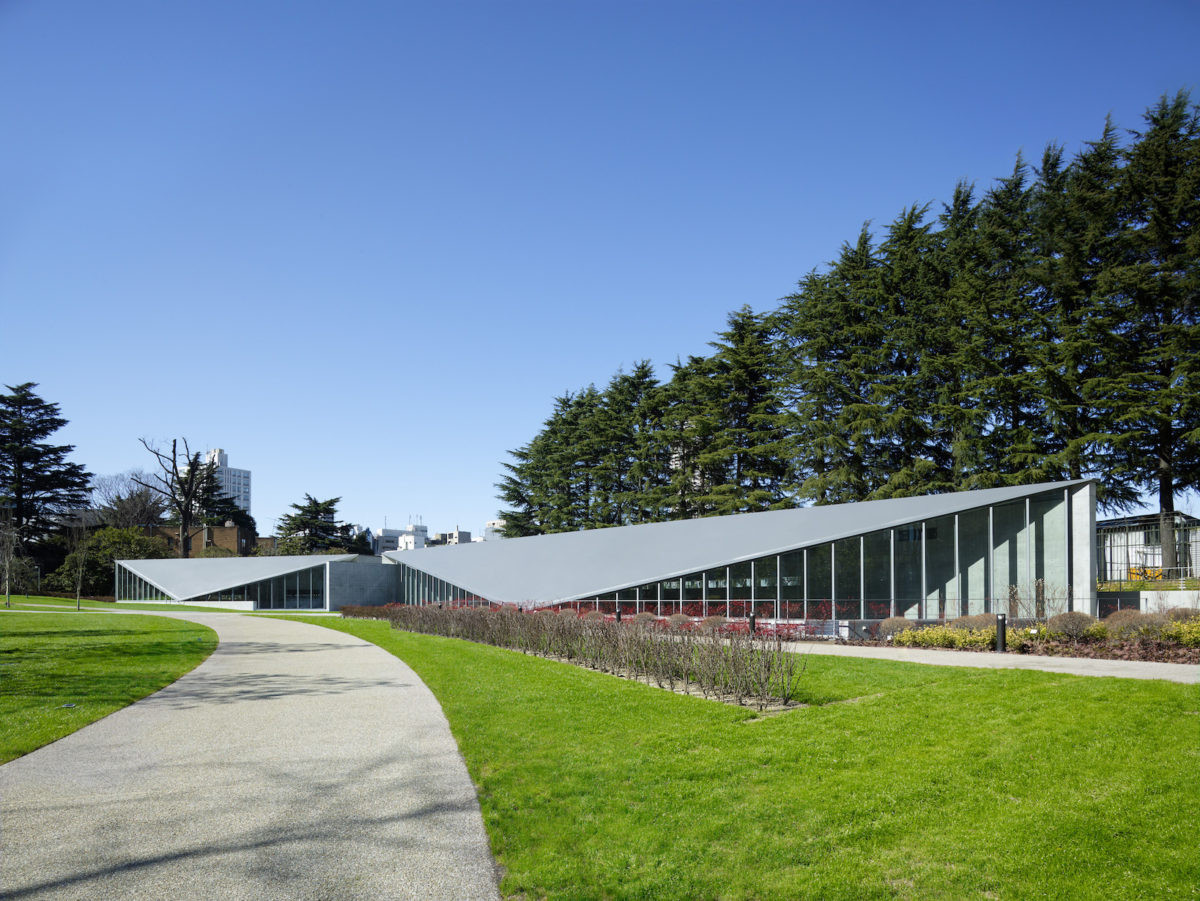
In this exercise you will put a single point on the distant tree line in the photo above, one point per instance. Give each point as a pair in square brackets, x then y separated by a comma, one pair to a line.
[61, 527]
[1046, 329]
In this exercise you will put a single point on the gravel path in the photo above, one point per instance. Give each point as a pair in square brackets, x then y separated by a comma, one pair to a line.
[295, 763]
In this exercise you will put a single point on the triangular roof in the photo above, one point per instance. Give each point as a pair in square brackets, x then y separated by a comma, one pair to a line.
[548, 569]
[183, 579]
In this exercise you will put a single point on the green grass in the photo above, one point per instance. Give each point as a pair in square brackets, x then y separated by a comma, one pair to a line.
[937, 782]
[97, 662]
[40, 602]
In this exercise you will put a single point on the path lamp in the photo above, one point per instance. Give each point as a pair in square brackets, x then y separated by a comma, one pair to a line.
[1001, 633]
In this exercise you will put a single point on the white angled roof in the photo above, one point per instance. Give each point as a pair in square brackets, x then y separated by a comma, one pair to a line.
[547, 569]
[183, 579]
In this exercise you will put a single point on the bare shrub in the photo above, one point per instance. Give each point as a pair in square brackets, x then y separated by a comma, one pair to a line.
[1131, 623]
[712, 623]
[739, 666]
[1183, 614]
[679, 620]
[1073, 624]
[974, 621]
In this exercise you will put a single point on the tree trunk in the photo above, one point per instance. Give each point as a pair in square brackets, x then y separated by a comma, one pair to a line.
[1166, 520]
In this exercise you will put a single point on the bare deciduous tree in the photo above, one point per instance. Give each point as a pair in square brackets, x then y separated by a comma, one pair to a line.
[125, 503]
[180, 483]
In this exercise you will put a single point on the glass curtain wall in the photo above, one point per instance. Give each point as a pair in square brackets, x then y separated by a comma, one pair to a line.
[1011, 558]
[131, 587]
[302, 590]
[421, 589]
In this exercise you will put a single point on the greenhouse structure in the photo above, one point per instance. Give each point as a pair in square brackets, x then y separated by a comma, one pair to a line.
[1026, 551]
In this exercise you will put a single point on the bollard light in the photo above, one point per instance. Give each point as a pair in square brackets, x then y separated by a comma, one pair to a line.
[1001, 633]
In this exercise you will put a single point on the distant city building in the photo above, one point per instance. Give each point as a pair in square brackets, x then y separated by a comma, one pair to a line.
[386, 540]
[493, 530]
[234, 483]
[412, 537]
[458, 536]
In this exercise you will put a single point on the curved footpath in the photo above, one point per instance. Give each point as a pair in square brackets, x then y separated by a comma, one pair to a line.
[295, 763]
[1074, 666]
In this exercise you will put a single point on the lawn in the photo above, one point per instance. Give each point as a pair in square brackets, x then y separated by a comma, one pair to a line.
[61, 671]
[41, 602]
[902, 781]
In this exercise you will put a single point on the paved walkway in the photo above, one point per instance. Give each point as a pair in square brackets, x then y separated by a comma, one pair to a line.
[295, 763]
[1075, 666]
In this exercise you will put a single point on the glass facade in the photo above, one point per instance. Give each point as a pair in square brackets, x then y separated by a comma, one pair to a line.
[130, 587]
[301, 590]
[1009, 557]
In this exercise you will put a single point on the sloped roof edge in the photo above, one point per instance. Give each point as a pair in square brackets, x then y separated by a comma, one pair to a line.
[548, 569]
[182, 579]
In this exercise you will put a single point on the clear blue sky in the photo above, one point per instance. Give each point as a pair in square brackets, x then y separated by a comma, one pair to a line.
[362, 245]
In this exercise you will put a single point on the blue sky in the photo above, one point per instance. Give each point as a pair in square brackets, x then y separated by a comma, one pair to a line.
[361, 246]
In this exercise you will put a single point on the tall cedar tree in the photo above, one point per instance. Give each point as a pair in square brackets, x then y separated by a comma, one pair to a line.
[1049, 330]
[313, 527]
[836, 340]
[750, 446]
[37, 482]
[915, 386]
[1156, 386]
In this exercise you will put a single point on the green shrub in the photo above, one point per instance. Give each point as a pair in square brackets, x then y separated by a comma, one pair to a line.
[1186, 633]
[1073, 625]
[1097, 631]
[892, 626]
[953, 637]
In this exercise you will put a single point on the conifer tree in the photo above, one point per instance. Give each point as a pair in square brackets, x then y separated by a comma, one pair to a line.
[312, 528]
[37, 482]
[835, 337]
[1155, 388]
[749, 447]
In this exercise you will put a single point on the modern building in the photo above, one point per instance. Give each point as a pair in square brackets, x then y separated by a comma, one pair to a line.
[313, 582]
[234, 483]
[493, 530]
[1027, 551]
[1130, 548]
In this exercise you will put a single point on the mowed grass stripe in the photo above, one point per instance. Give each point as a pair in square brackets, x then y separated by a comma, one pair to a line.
[98, 662]
[42, 602]
[936, 783]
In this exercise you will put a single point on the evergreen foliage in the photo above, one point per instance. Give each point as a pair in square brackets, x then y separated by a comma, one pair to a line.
[314, 529]
[1047, 328]
[37, 482]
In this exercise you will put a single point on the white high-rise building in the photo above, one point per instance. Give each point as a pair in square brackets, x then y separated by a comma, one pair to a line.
[234, 483]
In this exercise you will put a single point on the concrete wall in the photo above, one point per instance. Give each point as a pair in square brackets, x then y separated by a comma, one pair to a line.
[365, 581]
[1083, 548]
